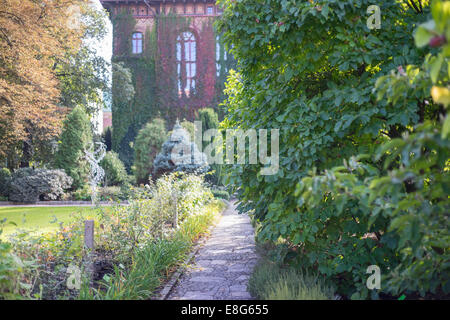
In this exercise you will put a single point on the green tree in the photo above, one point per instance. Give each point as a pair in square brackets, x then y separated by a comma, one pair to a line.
[5, 182]
[122, 84]
[123, 95]
[309, 69]
[74, 140]
[147, 145]
[107, 136]
[210, 120]
[189, 126]
[410, 190]
[115, 172]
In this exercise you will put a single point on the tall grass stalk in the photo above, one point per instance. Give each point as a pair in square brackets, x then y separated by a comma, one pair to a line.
[270, 281]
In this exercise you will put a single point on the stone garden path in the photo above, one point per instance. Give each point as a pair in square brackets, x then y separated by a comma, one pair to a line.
[222, 267]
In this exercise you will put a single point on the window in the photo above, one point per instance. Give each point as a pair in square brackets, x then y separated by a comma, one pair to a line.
[221, 56]
[210, 10]
[186, 62]
[136, 43]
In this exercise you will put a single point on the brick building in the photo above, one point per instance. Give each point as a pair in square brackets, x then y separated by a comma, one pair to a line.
[178, 62]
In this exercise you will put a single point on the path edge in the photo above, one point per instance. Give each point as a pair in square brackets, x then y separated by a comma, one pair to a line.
[168, 287]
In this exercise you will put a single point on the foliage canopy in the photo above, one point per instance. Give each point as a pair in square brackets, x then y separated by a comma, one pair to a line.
[310, 68]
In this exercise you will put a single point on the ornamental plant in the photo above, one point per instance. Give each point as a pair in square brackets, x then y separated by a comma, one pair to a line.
[178, 153]
[147, 145]
[115, 172]
[28, 185]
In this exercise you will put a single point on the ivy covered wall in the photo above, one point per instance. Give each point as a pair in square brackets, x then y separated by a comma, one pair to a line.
[155, 76]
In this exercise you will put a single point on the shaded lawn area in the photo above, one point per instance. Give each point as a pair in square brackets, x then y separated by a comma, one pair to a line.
[40, 219]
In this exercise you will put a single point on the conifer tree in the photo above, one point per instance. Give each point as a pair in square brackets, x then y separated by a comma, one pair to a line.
[74, 139]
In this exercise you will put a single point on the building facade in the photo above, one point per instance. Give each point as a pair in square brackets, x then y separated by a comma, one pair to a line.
[177, 61]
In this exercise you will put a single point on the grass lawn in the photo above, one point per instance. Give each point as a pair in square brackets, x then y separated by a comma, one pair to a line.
[39, 219]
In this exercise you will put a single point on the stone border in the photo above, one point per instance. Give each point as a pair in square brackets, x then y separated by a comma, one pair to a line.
[55, 203]
[167, 289]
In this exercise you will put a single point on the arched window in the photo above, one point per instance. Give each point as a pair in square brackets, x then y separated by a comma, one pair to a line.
[221, 56]
[186, 62]
[136, 43]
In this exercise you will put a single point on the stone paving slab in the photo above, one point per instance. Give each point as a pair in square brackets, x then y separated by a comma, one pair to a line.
[222, 267]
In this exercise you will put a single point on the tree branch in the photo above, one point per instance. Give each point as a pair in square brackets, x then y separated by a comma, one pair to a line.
[17, 18]
[5, 36]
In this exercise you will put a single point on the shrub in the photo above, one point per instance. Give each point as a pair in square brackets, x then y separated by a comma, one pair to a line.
[74, 140]
[5, 181]
[110, 194]
[147, 145]
[189, 126]
[152, 262]
[397, 193]
[210, 120]
[153, 212]
[12, 268]
[185, 191]
[22, 173]
[82, 194]
[9, 267]
[42, 261]
[31, 185]
[136, 246]
[179, 154]
[220, 194]
[115, 172]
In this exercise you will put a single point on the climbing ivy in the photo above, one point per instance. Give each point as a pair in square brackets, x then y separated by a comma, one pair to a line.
[155, 78]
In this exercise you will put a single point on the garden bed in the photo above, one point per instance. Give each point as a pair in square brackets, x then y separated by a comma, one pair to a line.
[137, 247]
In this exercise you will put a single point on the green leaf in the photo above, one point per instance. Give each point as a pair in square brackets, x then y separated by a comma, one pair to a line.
[446, 128]
[422, 36]
[436, 67]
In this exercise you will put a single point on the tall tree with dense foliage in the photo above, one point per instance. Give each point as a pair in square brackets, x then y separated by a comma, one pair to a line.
[75, 138]
[148, 143]
[123, 94]
[47, 67]
[115, 172]
[210, 120]
[32, 35]
[309, 68]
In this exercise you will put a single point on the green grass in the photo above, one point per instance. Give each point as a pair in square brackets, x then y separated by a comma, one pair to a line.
[270, 281]
[37, 220]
